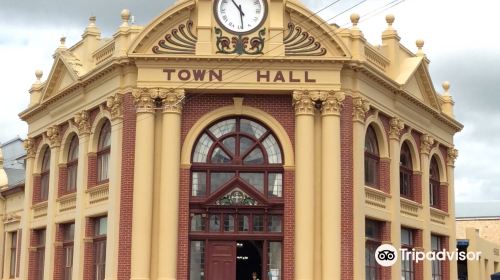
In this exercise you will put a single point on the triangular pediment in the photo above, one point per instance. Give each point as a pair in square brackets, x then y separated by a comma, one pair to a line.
[191, 28]
[416, 81]
[64, 73]
[237, 193]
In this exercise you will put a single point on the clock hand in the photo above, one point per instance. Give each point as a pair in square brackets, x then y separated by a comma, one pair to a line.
[241, 16]
[238, 7]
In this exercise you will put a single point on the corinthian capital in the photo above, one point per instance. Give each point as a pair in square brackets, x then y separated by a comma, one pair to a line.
[29, 146]
[361, 106]
[396, 127]
[115, 105]
[333, 103]
[54, 136]
[303, 102]
[173, 100]
[426, 144]
[452, 156]
[82, 121]
[144, 100]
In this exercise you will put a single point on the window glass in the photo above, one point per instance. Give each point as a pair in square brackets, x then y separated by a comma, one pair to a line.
[252, 128]
[273, 150]
[245, 144]
[228, 223]
[274, 256]
[230, 144]
[101, 226]
[254, 179]
[258, 223]
[275, 182]
[215, 223]
[219, 156]
[197, 223]
[255, 157]
[406, 237]
[202, 148]
[198, 184]
[197, 261]
[224, 127]
[243, 223]
[219, 179]
[69, 232]
[275, 223]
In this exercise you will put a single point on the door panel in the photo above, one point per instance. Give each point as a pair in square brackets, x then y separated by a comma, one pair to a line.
[222, 260]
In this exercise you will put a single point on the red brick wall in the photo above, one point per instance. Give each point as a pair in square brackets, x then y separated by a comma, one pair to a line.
[59, 253]
[127, 187]
[183, 240]
[446, 264]
[416, 135]
[88, 253]
[419, 243]
[347, 229]
[289, 226]
[385, 236]
[36, 188]
[416, 186]
[92, 170]
[32, 259]
[63, 180]
[385, 175]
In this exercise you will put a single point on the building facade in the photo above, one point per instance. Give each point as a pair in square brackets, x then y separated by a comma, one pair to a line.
[223, 140]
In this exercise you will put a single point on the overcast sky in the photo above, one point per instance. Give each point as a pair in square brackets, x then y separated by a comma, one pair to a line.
[461, 40]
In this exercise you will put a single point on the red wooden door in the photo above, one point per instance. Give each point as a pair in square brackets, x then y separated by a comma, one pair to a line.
[222, 260]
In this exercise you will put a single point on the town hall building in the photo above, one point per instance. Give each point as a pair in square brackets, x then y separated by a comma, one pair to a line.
[232, 138]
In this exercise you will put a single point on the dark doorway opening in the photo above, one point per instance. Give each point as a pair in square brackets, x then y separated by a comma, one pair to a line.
[248, 259]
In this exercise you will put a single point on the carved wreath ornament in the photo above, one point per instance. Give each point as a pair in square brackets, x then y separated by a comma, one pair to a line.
[239, 44]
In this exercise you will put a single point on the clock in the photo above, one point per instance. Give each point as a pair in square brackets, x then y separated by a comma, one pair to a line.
[240, 16]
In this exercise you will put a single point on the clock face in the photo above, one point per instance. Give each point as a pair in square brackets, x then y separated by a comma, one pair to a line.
[240, 16]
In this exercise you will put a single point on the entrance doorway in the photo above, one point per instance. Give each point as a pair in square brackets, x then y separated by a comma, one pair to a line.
[249, 259]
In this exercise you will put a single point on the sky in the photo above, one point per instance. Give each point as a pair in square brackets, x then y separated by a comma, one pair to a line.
[461, 40]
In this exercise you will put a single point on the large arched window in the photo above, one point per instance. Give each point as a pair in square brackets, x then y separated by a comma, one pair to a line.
[45, 175]
[237, 148]
[434, 183]
[72, 164]
[372, 158]
[103, 152]
[405, 171]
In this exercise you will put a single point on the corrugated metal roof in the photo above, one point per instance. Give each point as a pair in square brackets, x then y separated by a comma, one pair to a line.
[487, 209]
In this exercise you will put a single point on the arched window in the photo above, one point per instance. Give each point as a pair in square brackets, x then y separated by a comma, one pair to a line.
[405, 171]
[434, 183]
[72, 164]
[237, 148]
[45, 175]
[372, 158]
[103, 152]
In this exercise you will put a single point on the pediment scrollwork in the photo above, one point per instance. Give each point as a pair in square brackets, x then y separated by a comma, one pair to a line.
[301, 43]
[180, 40]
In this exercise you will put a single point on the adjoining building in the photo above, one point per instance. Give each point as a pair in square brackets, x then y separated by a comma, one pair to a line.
[223, 140]
[478, 230]
[12, 174]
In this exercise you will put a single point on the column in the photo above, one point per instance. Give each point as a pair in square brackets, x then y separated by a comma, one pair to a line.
[82, 121]
[142, 212]
[331, 185]
[29, 146]
[396, 127]
[114, 104]
[55, 144]
[426, 144]
[169, 184]
[450, 171]
[360, 108]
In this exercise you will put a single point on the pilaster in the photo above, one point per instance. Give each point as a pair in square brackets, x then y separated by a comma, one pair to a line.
[29, 146]
[304, 104]
[331, 185]
[360, 108]
[450, 171]
[143, 184]
[169, 183]
[396, 128]
[426, 144]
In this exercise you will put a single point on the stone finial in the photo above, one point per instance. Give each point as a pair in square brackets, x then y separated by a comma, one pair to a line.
[446, 87]
[38, 75]
[390, 20]
[125, 15]
[62, 42]
[420, 44]
[355, 20]
[92, 21]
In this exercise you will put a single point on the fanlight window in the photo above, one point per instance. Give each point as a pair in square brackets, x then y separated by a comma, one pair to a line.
[237, 148]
